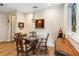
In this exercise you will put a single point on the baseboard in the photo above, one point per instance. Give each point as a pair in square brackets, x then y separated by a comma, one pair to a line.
[6, 40]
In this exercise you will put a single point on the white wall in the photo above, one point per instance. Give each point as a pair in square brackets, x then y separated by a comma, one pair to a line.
[54, 19]
[3, 26]
[20, 18]
[67, 18]
[78, 18]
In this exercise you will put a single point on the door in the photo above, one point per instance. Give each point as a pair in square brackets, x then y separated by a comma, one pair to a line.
[12, 21]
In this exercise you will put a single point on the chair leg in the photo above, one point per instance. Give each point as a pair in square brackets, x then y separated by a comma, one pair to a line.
[46, 49]
[26, 53]
[37, 50]
[17, 53]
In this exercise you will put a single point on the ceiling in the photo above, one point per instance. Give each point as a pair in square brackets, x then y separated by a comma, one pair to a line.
[25, 7]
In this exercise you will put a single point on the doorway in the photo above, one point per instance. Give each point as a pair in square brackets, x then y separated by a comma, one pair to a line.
[12, 20]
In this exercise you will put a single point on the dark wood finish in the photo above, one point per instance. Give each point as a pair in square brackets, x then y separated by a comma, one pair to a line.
[65, 47]
[24, 35]
[43, 43]
[21, 46]
[33, 34]
[60, 33]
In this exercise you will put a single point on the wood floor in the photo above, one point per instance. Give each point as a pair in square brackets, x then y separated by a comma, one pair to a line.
[9, 49]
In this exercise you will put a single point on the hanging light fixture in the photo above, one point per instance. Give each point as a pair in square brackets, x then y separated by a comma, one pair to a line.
[34, 14]
[1, 4]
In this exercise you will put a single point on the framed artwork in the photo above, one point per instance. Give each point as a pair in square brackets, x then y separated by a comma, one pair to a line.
[73, 17]
[39, 23]
[20, 25]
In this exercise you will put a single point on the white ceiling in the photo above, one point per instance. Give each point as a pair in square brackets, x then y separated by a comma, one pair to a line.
[24, 7]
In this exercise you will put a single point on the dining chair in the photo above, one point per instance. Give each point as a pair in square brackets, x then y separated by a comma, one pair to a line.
[43, 43]
[34, 46]
[33, 33]
[24, 34]
[21, 47]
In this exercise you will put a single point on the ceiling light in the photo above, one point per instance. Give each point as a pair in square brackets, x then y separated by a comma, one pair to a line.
[49, 4]
[34, 14]
[35, 7]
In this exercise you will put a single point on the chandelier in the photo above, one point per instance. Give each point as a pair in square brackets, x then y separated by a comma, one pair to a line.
[34, 14]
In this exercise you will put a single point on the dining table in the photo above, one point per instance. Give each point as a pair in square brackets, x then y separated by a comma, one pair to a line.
[34, 41]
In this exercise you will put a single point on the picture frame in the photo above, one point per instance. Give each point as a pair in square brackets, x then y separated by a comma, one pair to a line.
[39, 23]
[20, 25]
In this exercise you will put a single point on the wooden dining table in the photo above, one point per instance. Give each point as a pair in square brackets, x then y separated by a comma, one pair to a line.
[64, 46]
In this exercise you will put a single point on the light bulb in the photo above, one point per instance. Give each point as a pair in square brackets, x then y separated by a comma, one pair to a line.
[49, 4]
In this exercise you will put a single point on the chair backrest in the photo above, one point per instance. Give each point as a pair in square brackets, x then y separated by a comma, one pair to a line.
[47, 37]
[24, 35]
[33, 33]
[19, 42]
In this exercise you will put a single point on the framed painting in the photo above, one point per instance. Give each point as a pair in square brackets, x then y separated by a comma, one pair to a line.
[20, 25]
[39, 23]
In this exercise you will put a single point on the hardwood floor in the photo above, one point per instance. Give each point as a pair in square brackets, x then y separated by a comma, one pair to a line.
[51, 51]
[9, 49]
[64, 46]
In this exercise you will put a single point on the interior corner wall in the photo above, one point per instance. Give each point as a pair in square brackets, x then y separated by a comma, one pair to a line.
[3, 26]
[65, 18]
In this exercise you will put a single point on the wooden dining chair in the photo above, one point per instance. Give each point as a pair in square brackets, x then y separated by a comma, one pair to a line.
[33, 33]
[21, 46]
[24, 34]
[43, 43]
